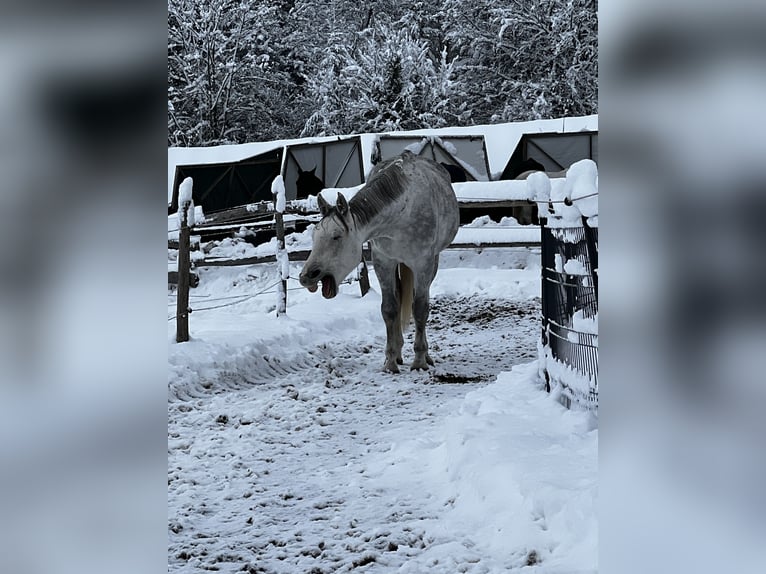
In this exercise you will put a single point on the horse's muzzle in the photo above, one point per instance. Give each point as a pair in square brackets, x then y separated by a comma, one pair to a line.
[310, 278]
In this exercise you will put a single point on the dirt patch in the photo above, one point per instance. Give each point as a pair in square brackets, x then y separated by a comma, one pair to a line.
[454, 312]
[492, 336]
[451, 378]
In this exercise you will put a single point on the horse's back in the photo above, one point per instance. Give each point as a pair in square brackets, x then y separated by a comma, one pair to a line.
[432, 197]
[426, 210]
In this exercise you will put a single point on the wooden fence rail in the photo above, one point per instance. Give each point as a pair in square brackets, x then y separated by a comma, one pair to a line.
[260, 217]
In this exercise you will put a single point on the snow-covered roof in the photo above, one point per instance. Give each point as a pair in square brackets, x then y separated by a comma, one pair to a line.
[500, 140]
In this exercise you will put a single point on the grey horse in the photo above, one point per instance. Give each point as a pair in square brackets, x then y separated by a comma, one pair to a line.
[409, 213]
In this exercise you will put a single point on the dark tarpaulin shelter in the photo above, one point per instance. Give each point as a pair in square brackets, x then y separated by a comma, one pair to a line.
[468, 152]
[337, 163]
[555, 151]
[220, 186]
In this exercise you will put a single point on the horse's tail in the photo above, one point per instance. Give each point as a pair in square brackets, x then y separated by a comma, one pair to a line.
[406, 292]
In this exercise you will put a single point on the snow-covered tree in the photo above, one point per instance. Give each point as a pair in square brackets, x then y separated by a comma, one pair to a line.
[553, 47]
[225, 83]
[390, 81]
[245, 70]
[524, 59]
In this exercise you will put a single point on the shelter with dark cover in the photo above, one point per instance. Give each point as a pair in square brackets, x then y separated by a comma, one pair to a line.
[555, 151]
[220, 186]
[466, 152]
[337, 163]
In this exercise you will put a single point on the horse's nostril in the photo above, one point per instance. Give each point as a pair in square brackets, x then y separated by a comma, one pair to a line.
[315, 274]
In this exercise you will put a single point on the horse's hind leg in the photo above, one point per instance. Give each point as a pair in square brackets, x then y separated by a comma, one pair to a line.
[386, 271]
[420, 310]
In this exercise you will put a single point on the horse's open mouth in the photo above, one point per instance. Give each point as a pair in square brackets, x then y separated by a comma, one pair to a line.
[329, 288]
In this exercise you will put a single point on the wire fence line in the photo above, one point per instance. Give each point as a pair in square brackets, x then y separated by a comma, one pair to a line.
[243, 298]
[467, 201]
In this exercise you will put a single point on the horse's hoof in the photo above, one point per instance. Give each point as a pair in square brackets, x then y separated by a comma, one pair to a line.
[419, 366]
[391, 367]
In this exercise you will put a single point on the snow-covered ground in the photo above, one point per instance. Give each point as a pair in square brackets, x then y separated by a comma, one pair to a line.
[289, 450]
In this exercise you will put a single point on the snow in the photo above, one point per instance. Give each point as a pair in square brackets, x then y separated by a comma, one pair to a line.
[185, 191]
[486, 221]
[524, 500]
[278, 189]
[448, 146]
[498, 234]
[466, 192]
[575, 266]
[417, 147]
[500, 141]
[575, 197]
[539, 188]
[578, 386]
[290, 451]
[330, 194]
[582, 183]
[186, 203]
[283, 264]
[585, 324]
[494, 190]
[568, 213]
[255, 208]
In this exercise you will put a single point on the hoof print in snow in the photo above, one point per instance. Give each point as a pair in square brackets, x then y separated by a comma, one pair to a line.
[392, 547]
[363, 561]
[532, 558]
[452, 378]
[222, 419]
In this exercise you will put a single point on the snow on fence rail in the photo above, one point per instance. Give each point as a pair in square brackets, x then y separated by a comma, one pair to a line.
[258, 218]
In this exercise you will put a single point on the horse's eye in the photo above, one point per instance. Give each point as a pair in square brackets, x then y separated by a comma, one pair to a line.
[336, 237]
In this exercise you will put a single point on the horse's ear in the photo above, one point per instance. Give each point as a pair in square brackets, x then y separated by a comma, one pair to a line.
[341, 205]
[312, 170]
[324, 207]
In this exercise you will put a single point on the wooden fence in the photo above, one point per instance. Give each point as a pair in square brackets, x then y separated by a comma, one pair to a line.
[262, 218]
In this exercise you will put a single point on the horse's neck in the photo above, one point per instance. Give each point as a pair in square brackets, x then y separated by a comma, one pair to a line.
[379, 225]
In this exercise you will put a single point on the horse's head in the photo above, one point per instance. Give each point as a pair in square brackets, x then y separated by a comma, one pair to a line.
[308, 183]
[336, 251]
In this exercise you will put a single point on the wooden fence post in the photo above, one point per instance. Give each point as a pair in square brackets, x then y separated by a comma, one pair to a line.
[184, 271]
[364, 278]
[283, 262]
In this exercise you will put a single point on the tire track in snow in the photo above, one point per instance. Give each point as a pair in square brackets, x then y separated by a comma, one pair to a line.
[269, 468]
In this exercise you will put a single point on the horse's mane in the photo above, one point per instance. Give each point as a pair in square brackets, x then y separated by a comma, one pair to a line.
[385, 186]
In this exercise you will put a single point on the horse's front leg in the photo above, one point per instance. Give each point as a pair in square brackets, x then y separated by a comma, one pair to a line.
[420, 309]
[389, 308]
